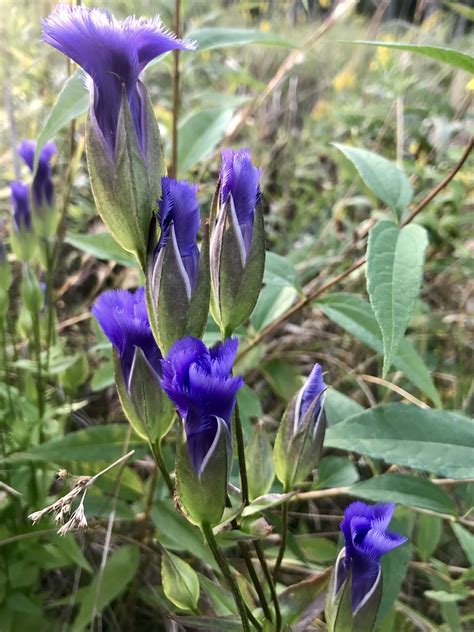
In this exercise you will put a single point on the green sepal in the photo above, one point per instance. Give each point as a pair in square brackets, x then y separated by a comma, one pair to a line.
[32, 296]
[202, 498]
[5, 283]
[45, 220]
[24, 244]
[297, 454]
[175, 310]
[236, 283]
[145, 404]
[126, 186]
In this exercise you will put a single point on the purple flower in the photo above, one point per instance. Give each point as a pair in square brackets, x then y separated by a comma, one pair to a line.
[312, 393]
[42, 186]
[20, 199]
[179, 219]
[124, 320]
[366, 539]
[113, 53]
[240, 184]
[198, 381]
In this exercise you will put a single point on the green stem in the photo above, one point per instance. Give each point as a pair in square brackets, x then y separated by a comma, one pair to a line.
[271, 583]
[284, 537]
[255, 581]
[239, 437]
[158, 456]
[49, 302]
[39, 371]
[227, 573]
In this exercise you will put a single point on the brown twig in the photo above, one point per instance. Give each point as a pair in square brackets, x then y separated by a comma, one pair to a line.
[313, 294]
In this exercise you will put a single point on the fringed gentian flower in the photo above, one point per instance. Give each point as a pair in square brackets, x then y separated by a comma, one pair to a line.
[113, 53]
[198, 381]
[42, 187]
[237, 241]
[300, 437]
[178, 276]
[357, 576]
[137, 359]
[124, 151]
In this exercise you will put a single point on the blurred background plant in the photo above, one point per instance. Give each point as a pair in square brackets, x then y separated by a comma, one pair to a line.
[253, 84]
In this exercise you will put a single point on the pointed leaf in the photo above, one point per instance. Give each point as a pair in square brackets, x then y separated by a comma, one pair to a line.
[383, 177]
[180, 581]
[395, 260]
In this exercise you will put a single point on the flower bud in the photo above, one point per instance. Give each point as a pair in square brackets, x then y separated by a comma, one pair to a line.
[124, 151]
[23, 240]
[45, 215]
[32, 295]
[198, 381]
[300, 437]
[137, 362]
[237, 241]
[178, 284]
[355, 586]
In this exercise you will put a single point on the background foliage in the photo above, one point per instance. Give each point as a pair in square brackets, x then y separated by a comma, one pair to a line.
[336, 101]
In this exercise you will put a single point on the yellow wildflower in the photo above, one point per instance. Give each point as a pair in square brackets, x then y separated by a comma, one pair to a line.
[320, 110]
[345, 79]
[470, 85]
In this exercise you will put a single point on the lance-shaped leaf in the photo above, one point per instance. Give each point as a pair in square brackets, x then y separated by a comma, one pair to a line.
[202, 496]
[383, 177]
[126, 185]
[260, 462]
[144, 402]
[394, 270]
[180, 581]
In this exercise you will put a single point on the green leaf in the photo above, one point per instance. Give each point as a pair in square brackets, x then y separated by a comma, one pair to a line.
[176, 533]
[405, 489]
[102, 246]
[336, 471]
[394, 568]
[259, 456]
[431, 440]
[217, 37]
[72, 101]
[280, 271]
[216, 624]
[395, 260]
[199, 133]
[466, 540]
[180, 581]
[299, 597]
[265, 502]
[118, 573]
[338, 406]
[446, 55]
[355, 315]
[441, 596]
[97, 443]
[428, 534]
[383, 177]
[273, 301]
[222, 601]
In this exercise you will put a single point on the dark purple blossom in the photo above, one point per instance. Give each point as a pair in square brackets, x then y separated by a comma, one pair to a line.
[20, 199]
[113, 53]
[366, 535]
[313, 389]
[124, 320]
[179, 219]
[198, 381]
[42, 186]
[240, 183]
